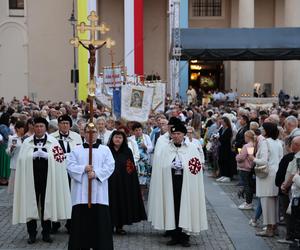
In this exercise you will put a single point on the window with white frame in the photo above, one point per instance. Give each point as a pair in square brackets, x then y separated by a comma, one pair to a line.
[206, 8]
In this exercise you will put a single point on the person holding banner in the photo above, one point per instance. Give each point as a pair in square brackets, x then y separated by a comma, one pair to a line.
[90, 227]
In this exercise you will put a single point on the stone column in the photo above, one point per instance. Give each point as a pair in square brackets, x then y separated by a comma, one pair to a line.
[246, 69]
[291, 69]
[278, 65]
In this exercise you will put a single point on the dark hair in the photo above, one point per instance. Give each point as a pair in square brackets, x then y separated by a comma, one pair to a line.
[227, 121]
[246, 119]
[284, 114]
[271, 130]
[136, 125]
[126, 130]
[20, 124]
[209, 123]
[4, 119]
[13, 120]
[111, 143]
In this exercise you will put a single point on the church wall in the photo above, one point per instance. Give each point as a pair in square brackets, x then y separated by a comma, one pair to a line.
[112, 13]
[264, 18]
[50, 54]
[13, 54]
[155, 37]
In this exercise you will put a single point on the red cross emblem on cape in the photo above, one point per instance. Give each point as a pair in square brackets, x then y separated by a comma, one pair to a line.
[194, 165]
[130, 166]
[58, 154]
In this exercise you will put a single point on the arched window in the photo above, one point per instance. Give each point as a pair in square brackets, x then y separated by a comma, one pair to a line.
[206, 8]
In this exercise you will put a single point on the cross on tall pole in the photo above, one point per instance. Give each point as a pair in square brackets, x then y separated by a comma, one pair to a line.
[92, 45]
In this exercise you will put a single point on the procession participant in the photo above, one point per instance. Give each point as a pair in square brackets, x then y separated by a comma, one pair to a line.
[196, 142]
[103, 133]
[145, 148]
[125, 199]
[110, 124]
[41, 183]
[90, 227]
[179, 201]
[13, 149]
[68, 140]
[132, 144]
[4, 158]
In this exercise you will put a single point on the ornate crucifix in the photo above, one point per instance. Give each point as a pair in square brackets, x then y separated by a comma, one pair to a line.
[92, 45]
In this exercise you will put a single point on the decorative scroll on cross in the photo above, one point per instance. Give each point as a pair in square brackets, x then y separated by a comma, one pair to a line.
[92, 45]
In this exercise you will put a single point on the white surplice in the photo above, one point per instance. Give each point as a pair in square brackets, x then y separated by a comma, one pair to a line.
[103, 165]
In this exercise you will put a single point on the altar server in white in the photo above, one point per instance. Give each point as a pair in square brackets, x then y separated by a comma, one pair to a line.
[90, 227]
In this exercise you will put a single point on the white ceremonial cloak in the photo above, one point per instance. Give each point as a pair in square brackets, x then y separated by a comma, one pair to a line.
[192, 216]
[103, 165]
[57, 197]
[74, 138]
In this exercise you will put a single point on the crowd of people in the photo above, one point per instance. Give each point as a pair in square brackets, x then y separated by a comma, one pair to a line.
[166, 156]
[47, 168]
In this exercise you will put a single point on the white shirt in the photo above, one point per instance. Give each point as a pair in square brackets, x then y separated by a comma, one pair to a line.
[13, 154]
[146, 141]
[103, 165]
[132, 144]
[106, 136]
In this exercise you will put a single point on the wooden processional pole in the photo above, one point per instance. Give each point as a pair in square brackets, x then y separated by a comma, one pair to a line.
[92, 46]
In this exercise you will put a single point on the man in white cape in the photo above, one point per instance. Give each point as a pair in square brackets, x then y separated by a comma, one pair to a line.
[68, 140]
[41, 183]
[176, 196]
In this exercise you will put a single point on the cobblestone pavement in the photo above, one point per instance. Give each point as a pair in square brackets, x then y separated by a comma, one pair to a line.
[231, 190]
[140, 235]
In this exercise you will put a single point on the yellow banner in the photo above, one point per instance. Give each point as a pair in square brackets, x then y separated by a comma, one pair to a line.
[82, 10]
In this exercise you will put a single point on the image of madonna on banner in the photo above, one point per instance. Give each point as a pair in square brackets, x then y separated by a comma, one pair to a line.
[136, 102]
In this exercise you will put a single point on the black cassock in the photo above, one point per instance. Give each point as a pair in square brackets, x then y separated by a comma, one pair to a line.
[125, 198]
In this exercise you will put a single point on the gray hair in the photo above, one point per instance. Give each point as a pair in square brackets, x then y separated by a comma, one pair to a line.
[292, 119]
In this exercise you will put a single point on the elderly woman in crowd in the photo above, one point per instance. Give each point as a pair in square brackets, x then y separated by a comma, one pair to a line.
[269, 153]
[104, 134]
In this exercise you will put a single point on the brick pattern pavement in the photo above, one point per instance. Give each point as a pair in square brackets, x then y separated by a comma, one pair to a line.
[139, 236]
[231, 190]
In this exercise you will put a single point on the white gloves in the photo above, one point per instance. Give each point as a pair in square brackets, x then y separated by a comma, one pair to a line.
[40, 154]
[177, 164]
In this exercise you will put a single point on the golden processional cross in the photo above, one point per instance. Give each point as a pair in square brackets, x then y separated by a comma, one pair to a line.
[92, 45]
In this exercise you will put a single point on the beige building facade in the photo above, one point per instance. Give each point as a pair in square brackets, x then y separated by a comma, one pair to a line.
[36, 58]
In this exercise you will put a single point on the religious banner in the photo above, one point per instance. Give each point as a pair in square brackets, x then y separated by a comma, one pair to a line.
[117, 103]
[113, 76]
[102, 97]
[158, 103]
[136, 102]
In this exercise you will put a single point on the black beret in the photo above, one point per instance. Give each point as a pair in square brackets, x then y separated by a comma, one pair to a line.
[65, 118]
[173, 121]
[179, 127]
[41, 120]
